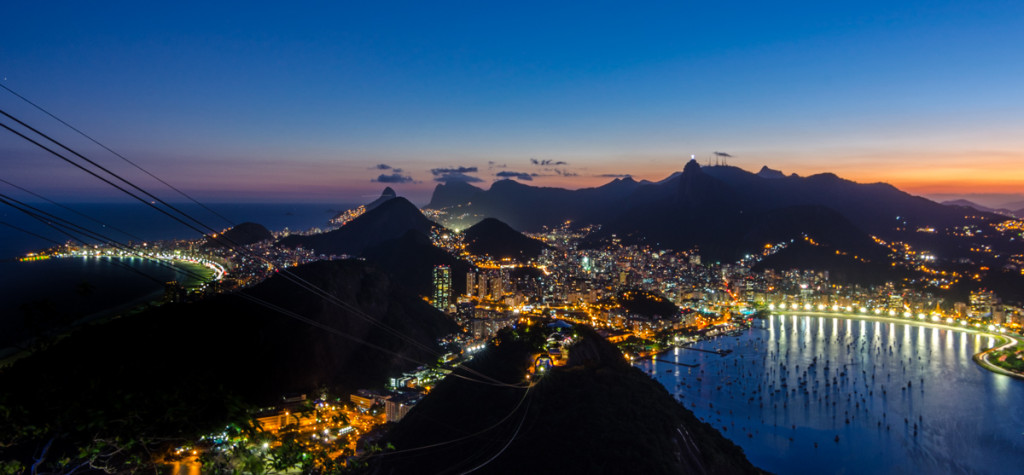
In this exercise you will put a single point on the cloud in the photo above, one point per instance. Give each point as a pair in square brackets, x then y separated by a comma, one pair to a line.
[384, 166]
[516, 175]
[614, 175]
[723, 154]
[393, 178]
[443, 171]
[564, 172]
[454, 177]
[547, 162]
[493, 164]
[455, 174]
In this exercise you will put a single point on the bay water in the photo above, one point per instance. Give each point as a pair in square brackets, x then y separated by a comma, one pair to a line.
[820, 394]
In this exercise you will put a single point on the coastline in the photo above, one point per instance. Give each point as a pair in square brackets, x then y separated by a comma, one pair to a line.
[981, 358]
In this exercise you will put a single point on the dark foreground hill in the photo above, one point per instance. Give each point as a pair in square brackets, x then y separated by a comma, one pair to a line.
[390, 220]
[496, 239]
[596, 415]
[410, 260]
[177, 371]
[242, 234]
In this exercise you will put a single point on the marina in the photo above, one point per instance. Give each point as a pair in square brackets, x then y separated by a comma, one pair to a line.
[806, 392]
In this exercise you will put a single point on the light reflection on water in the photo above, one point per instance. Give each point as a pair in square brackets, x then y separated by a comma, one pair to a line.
[185, 468]
[815, 373]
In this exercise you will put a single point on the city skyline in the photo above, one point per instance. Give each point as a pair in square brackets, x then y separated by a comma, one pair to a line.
[334, 104]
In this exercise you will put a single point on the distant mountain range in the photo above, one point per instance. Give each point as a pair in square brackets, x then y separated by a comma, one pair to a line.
[723, 210]
[978, 207]
[529, 208]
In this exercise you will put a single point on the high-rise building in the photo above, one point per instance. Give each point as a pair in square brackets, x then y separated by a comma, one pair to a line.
[497, 286]
[981, 303]
[470, 283]
[442, 287]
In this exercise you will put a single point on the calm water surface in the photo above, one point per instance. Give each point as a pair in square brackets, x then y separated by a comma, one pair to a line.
[900, 398]
[134, 221]
[35, 296]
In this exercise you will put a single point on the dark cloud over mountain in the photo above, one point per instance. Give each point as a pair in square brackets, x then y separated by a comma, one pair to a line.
[393, 178]
[458, 174]
[516, 175]
[443, 171]
[456, 177]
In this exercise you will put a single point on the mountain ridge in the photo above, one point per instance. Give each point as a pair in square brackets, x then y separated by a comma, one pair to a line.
[241, 234]
[641, 428]
[390, 220]
[492, 237]
[699, 205]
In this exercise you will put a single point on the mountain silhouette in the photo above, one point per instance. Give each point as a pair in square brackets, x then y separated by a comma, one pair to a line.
[242, 234]
[386, 195]
[494, 238]
[873, 207]
[453, 194]
[390, 220]
[597, 414]
[723, 210]
[977, 207]
[529, 208]
[766, 172]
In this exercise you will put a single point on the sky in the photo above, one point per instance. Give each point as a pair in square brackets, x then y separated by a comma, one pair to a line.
[330, 102]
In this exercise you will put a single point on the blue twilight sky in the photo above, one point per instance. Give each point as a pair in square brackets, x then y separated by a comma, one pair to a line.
[321, 102]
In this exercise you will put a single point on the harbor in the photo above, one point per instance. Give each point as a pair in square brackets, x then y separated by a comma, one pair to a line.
[807, 391]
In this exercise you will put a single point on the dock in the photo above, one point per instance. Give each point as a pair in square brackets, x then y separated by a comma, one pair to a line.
[675, 363]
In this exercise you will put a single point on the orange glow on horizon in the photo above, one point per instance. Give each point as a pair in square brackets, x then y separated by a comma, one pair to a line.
[914, 178]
